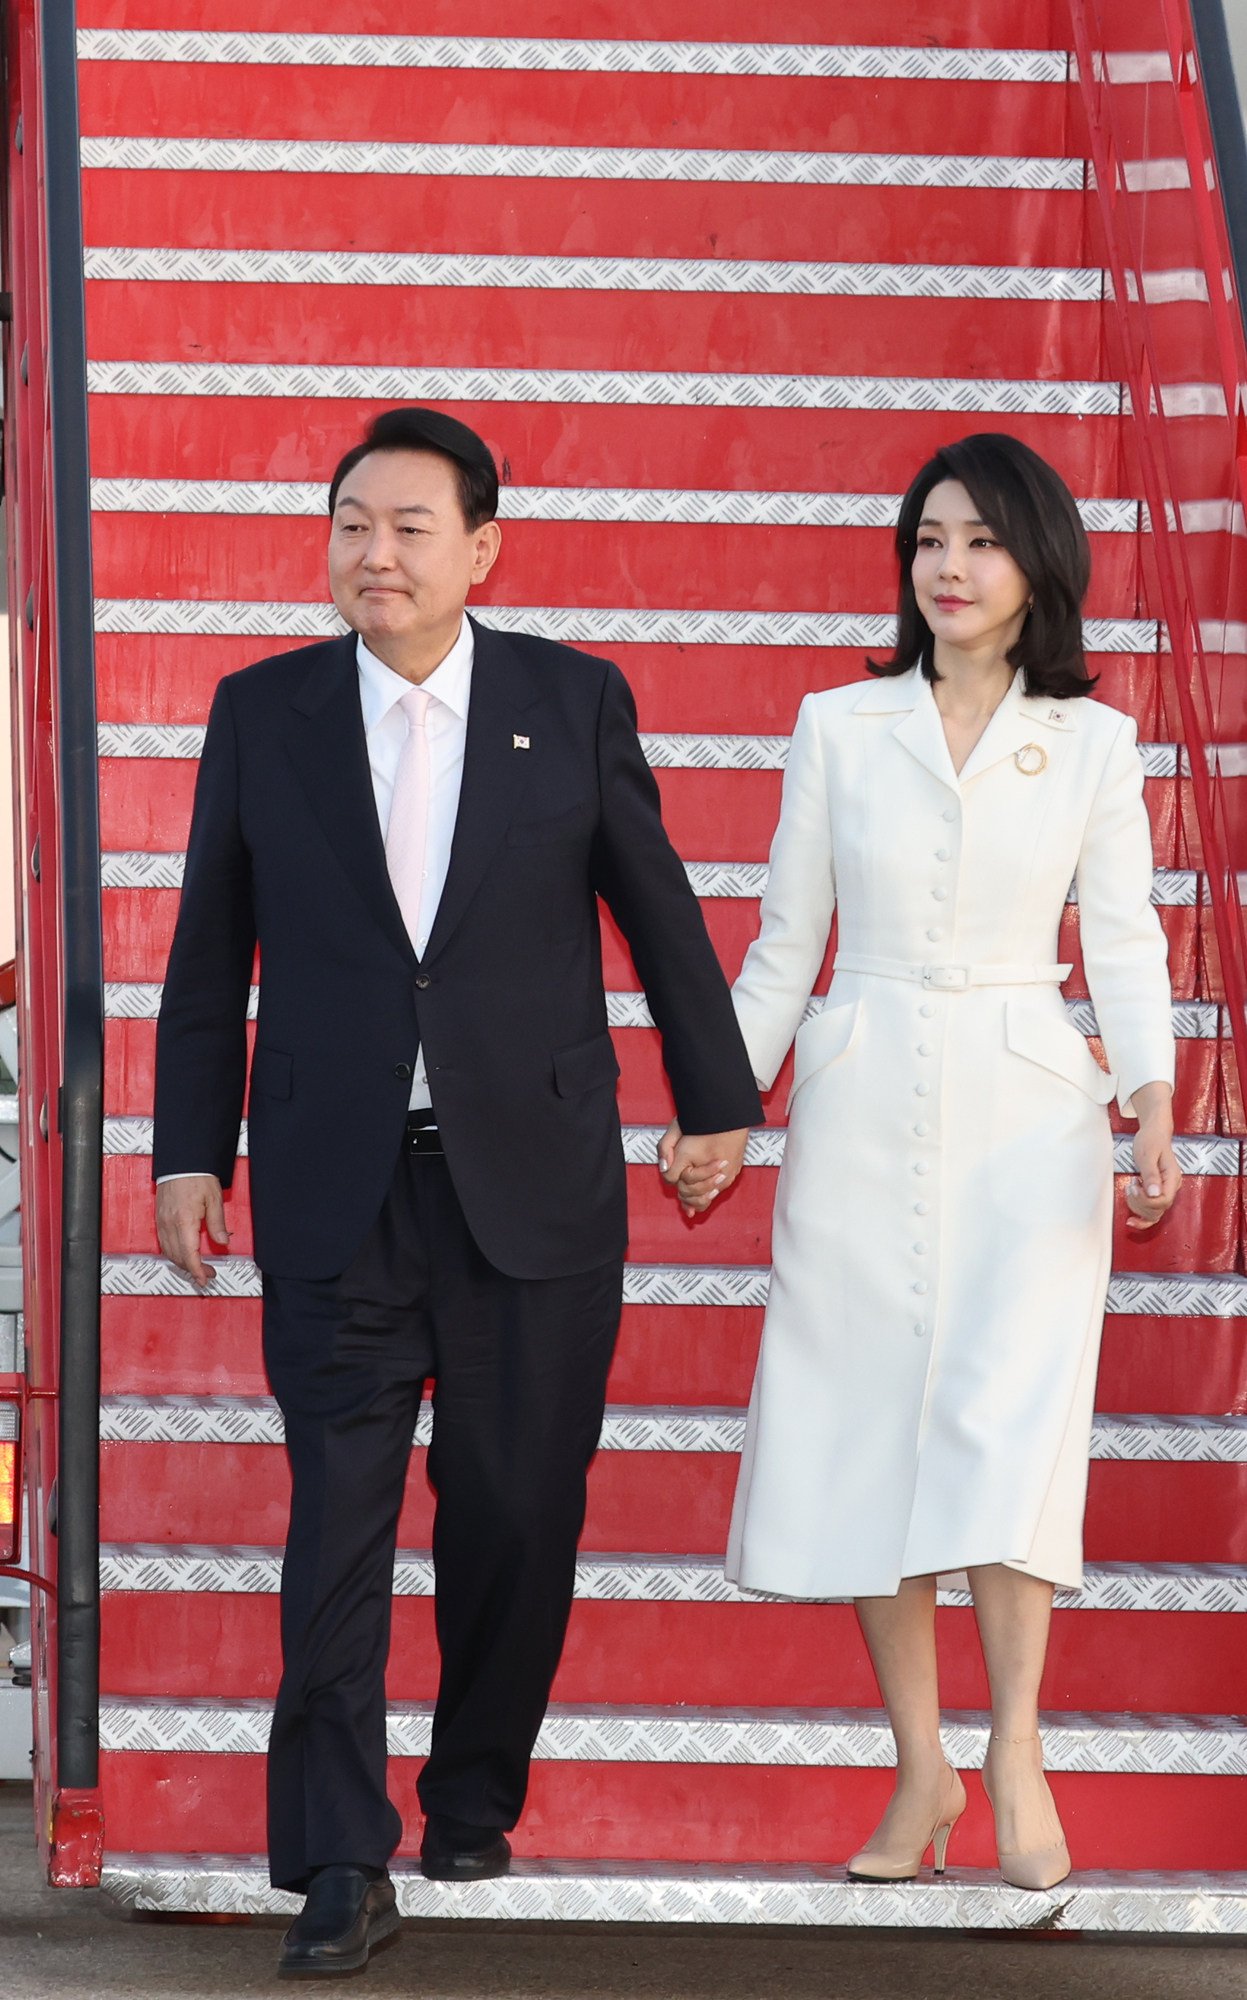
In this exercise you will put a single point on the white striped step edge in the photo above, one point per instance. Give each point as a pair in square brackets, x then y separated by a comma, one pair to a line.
[665, 751]
[248, 1420]
[735, 880]
[165, 1568]
[123, 263]
[827, 1739]
[1193, 1020]
[1145, 1295]
[670, 1892]
[654, 388]
[629, 58]
[678, 750]
[571, 624]
[661, 505]
[1212, 1155]
[187, 154]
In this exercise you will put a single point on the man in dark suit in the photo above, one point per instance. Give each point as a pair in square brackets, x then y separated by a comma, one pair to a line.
[415, 823]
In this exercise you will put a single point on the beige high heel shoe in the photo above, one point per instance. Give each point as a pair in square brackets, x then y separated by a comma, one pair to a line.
[1039, 1867]
[874, 1864]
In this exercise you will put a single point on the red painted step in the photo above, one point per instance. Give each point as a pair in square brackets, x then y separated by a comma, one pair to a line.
[607, 564]
[590, 108]
[640, 1501]
[728, 1814]
[698, 1356]
[386, 326]
[187, 1646]
[594, 444]
[1202, 1233]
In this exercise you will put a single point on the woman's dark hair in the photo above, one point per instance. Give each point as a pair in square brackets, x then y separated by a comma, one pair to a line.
[1032, 513]
[413, 428]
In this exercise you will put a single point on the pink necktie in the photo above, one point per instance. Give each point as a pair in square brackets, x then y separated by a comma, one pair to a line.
[406, 836]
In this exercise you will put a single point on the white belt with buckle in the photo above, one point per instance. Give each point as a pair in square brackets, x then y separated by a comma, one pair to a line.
[952, 978]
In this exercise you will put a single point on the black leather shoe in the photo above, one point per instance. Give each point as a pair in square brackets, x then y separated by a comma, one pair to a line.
[346, 1916]
[453, 1851]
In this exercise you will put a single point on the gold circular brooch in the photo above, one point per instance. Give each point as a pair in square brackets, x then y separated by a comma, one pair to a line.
[1031, 759]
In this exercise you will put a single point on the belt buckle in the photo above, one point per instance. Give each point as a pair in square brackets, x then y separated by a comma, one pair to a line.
[946, 978]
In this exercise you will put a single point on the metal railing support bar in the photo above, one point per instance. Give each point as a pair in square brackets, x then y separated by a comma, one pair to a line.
[81, 1107]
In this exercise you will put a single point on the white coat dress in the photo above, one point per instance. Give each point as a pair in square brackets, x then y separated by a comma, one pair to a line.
[924, 1391]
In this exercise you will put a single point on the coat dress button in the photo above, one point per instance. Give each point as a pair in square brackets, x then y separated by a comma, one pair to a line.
[940, 895]
[921, 1129]
[920, 1326]
[949, 813]
[927, 1009]
[924, 1048]
[403, 1072]
[920, 1249]
[942, 853]
[934, 936]
[423, 980]
[922, 1090]
[922, 1208]
[922, 1166]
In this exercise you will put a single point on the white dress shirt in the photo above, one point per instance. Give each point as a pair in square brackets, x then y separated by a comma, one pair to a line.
[385, 731]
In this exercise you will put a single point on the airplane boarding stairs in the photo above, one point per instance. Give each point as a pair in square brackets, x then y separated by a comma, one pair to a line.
[711, 301]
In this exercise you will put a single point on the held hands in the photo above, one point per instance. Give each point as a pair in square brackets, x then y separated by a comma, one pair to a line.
[184, 1207]
[700, 1166]
[1153, 1188]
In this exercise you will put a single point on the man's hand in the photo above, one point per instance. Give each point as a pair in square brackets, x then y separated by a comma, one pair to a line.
[700, 1166]
[184, 1207]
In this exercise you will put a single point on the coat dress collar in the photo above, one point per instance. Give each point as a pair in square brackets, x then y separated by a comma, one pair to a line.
[1020, 721]
[329, 750]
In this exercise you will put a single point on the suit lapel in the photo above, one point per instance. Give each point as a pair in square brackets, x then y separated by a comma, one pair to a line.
[327, 746]
[1021, 722]
[495, 772]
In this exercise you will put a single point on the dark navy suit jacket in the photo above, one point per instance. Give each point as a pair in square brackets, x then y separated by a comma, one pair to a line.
[285, 850]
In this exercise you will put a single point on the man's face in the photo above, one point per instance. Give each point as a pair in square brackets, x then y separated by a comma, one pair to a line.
[401, 559]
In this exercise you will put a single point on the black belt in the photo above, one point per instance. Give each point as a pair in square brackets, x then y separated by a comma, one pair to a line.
[422, 1135]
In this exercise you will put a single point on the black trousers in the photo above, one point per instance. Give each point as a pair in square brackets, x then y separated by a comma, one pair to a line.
[520, 1369]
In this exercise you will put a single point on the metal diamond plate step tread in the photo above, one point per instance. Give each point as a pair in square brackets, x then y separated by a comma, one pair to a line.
[668, 1893]
[1148, 1745]
[196, 1420]
[623, 1578]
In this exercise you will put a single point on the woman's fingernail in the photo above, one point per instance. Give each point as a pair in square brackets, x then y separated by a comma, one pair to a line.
[1153, 1187]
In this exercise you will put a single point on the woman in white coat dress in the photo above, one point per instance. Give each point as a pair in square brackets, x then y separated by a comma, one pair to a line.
[923, 1398]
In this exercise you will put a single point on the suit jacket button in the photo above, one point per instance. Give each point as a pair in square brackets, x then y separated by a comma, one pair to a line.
[403, 1070]
[422, 981]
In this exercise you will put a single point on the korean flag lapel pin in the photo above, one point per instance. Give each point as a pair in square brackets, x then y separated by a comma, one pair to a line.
[520, 743]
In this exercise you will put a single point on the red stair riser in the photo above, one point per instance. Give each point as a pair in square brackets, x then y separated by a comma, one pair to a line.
[138, 930]
[591, 108]
[187, 1647]
[637, 564]
[676, 688]
[662, 1503]
[644, 1096]
[692, 1356]
[1202, 1232]
[160, 320]
[145, 806]
[578, 218]
[971, 24]
[688, 1812]
[574, 444]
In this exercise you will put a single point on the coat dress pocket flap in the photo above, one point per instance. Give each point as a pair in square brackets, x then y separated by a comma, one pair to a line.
[556, 826]
[823, 1039]
[585, 1065]
[272, 1072]
[1055, 1044]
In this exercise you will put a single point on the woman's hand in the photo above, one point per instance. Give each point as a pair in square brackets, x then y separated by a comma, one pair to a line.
[1153, 1188]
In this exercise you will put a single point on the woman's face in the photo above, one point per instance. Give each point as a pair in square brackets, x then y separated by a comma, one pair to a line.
[969, 589]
